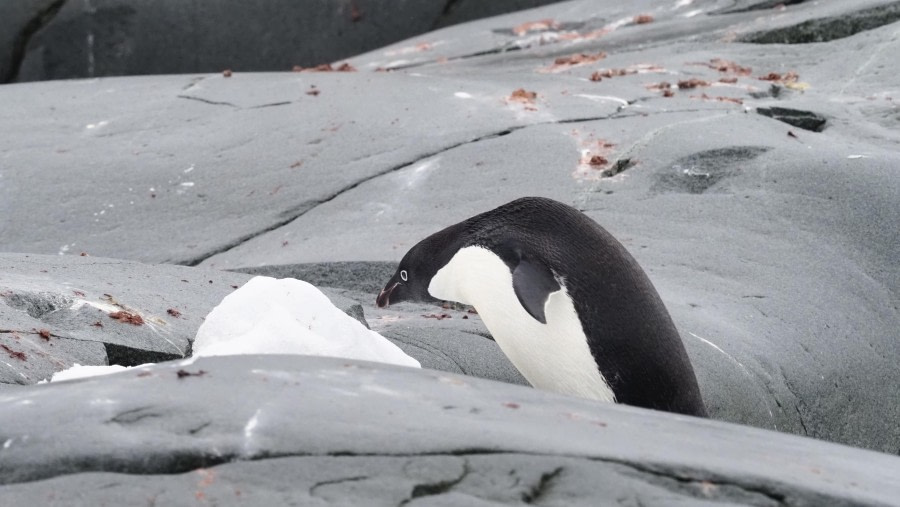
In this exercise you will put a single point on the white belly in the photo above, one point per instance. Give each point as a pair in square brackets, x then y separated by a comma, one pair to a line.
[554, 356]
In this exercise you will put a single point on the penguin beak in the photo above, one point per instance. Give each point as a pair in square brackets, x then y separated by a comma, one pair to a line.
[384, 297]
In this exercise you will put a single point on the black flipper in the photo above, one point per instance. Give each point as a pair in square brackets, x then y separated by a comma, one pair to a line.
[533, 283]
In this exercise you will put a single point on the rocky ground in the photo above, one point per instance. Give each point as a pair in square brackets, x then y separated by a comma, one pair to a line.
[745, 153]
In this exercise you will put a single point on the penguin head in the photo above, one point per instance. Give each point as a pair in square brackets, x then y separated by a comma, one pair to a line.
[413, 276]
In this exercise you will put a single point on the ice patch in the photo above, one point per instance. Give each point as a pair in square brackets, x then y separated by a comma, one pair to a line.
[287, 316]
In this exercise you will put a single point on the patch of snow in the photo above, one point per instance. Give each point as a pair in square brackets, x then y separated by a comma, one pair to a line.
[251, 424]
[269, 316]
[601, 98]
[691, 14]
[78, 371]
[287, 316]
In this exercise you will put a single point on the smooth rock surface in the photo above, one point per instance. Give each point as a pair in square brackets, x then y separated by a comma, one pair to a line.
[280, 430]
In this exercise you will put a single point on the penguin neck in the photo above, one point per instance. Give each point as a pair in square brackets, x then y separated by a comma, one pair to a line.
[554, 356]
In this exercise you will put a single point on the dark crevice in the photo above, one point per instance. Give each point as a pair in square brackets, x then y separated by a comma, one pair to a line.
[206, 101]
[129, 356]
[20, 44]
[708, 487]
[133, 416]
[587, 119]
[759, 6]
[480, 334]
[828, 29]
[437, 488]
[312, 489]
[696, 483]
[198, 429]
[307, 206]
[805, 120]
[539, 490]
[274, 104]
[287, 217]
[802, 422]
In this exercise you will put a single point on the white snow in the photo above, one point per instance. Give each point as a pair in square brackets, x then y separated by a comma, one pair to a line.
[270, 316]
[287, 316]
[79, 371]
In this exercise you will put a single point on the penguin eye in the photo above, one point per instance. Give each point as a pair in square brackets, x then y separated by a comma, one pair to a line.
[403, 275]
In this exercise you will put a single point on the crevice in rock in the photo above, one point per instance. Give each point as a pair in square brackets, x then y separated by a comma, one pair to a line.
[805, 120]
[312, 489]
[697, 483]
[133, 416]
[709, 487]
[198, 429]
[207, 101]
[802, 422]
[759, 6]
[828, 29]
[437, 488]
[193, 82]
[480, 335]
[307, 206]
[20, 44]
[273, 104]
[543, 486]
[128, 356]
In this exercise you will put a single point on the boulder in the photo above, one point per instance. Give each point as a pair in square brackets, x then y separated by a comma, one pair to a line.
[265, 430]
[59, 39]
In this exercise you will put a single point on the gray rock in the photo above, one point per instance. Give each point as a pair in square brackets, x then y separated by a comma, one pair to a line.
[775, 253]
[67, 39]
[277, 429]
[56, 311]
[53, 306]
[19, 20]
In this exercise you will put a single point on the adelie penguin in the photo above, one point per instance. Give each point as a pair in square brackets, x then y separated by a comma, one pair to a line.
[565, 301]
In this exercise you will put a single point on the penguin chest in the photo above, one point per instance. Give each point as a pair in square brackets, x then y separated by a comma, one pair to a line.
[554, 356]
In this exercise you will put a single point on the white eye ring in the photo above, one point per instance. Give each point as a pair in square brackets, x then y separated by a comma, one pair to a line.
[403, 275]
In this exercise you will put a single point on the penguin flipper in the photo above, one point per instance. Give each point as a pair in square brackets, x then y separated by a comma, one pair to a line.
[533, 283]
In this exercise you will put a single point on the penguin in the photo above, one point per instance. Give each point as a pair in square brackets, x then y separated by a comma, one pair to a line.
[564, 300]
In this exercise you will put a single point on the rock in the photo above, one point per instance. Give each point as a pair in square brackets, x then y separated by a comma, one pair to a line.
[773, 247]
[63, 39]
[805, 120]
[19, 20]
[277, 429]
[59, 296]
